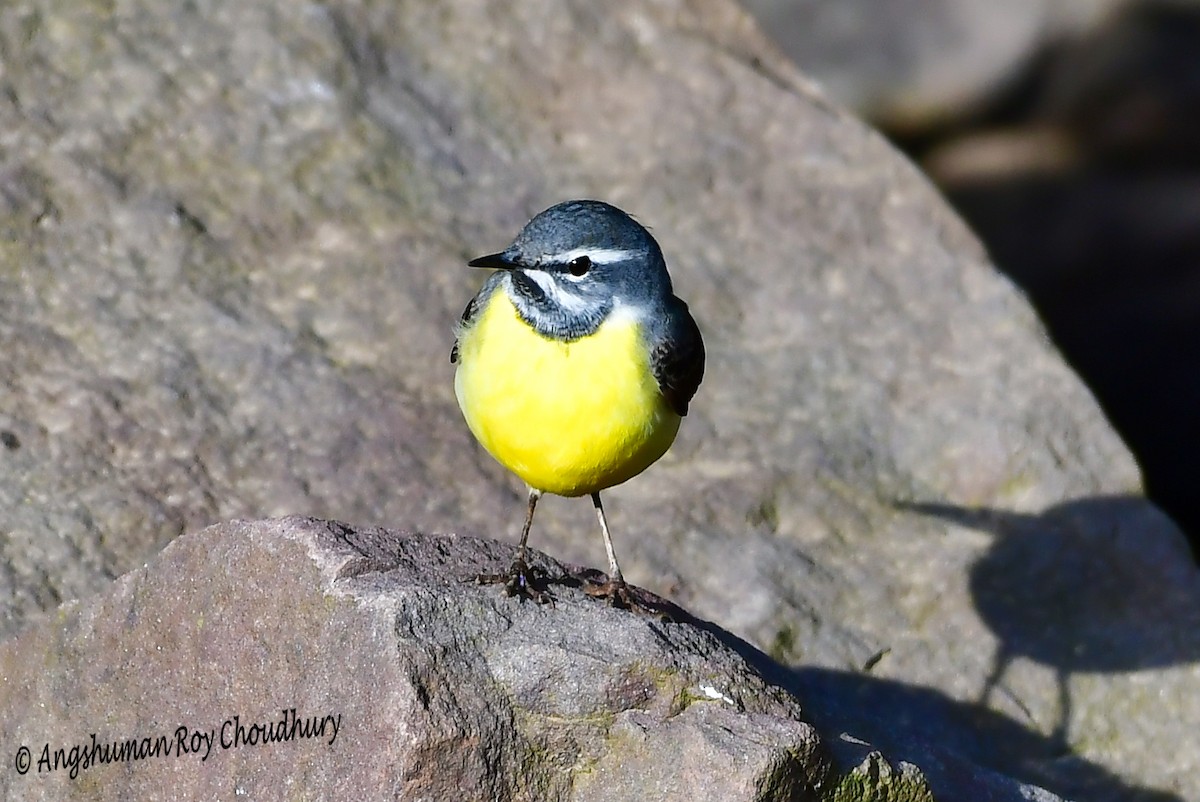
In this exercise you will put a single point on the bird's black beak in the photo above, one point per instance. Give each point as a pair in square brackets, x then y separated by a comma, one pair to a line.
[497, 260]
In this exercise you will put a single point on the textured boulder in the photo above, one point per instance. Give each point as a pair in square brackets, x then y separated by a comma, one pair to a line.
[233, 259]
[298, 656]
[913, 63]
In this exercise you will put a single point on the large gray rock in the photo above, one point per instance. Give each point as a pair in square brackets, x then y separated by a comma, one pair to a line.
[916, 63]
[234, 247]
[304, 659]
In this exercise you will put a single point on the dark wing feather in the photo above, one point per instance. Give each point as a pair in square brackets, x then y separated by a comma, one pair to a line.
[463, 323]
[475, 306]
[677, 357]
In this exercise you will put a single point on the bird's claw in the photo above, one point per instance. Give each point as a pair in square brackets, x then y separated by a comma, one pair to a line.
[619, 595]
[521, 580]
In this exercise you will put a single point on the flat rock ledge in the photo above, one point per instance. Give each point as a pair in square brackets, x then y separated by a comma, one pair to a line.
[306, 659]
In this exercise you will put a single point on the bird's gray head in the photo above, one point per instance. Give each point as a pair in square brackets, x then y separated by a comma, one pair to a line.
[578, 262]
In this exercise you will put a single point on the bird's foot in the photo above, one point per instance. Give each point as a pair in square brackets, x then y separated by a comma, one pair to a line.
[623, 597]
[521, 580]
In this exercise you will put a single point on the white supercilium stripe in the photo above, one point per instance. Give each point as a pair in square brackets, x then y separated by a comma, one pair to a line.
[599, 256]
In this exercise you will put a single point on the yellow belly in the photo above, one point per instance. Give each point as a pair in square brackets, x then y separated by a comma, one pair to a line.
[568, 418]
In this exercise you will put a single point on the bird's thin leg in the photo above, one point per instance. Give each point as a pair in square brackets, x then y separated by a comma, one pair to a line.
[520, 579]
[534, 495]
[614, 570]
[615, 589]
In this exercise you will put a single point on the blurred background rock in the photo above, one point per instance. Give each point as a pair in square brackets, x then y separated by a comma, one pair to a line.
[1067, 132]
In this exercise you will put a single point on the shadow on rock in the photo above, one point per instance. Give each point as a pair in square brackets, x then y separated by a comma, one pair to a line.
[1094, 585]
[901, 719]
[949, 739]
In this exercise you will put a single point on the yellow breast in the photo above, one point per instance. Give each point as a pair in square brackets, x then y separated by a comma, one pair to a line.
[568, 418]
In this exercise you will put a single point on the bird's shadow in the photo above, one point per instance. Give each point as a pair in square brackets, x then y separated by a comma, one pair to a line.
[953, 742]
[1102, 585]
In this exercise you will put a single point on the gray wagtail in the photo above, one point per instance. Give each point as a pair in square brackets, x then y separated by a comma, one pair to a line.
[576, 363]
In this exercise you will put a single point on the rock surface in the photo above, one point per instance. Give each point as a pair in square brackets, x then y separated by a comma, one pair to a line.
[233, 259]
[918, 63]
[388, 677]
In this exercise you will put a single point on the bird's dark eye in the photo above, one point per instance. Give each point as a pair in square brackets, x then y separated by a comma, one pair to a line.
[579, 265]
